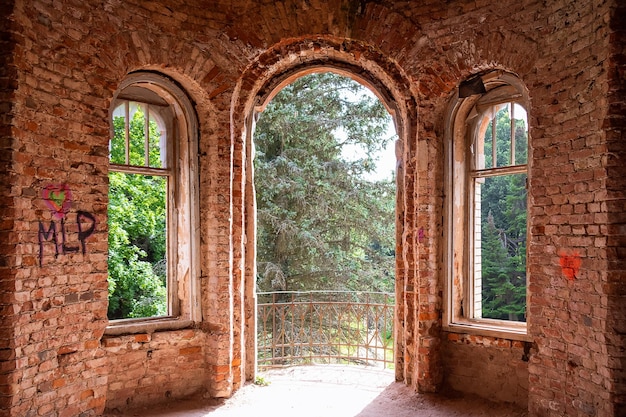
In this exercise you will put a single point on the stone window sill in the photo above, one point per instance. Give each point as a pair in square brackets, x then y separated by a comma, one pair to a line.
[480, 328]
[134, 326]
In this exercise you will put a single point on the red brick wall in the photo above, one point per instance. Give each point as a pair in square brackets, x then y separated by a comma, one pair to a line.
[66, 58]
[570, 375]
[492, 368]
[615, 125]
[148, 368]
[59, 310]
[70, 59]
[8, 84]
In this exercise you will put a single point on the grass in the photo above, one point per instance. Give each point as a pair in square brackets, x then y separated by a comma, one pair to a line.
[260, 381]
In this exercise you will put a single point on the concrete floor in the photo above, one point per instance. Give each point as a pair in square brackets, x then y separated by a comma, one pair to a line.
[330, 391]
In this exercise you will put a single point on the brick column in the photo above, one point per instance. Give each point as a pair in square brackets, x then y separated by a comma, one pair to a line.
[615, 125]
[8, 74]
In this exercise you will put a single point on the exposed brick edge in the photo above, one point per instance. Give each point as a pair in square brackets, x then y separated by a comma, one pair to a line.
[615, 128]
[8, 85]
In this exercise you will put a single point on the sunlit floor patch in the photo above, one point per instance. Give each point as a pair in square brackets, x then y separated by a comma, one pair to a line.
[330, 391]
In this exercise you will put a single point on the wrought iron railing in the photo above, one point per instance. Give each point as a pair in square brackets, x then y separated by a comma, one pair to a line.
[325, 327]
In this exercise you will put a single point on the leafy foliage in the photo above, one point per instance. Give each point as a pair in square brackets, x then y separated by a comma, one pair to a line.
[137, 230]
[321, 224]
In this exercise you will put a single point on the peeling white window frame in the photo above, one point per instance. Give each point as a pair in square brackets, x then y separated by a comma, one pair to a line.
[463, 122]
[178, 117]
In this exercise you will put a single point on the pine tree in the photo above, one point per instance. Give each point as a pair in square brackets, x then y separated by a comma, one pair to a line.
[321, 224]
[503, 288]
[504, 214]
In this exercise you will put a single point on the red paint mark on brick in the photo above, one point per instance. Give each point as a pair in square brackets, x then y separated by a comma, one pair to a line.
[111, 342]
[219, 90]
[454, 337]
[212, 74]
[504, 343]
[570, 265]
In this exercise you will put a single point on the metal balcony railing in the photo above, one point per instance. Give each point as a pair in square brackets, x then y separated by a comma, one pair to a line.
[325, 327]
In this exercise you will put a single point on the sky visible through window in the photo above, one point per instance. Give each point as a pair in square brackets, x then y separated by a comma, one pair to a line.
[385, 158]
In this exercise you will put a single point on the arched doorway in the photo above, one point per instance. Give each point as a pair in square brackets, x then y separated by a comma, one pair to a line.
[278, 67]
[325, 225]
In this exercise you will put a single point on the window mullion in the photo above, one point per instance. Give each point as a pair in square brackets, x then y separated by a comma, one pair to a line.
[484, 173]
[512, 133]
[475, 284]
[494, 150]
[146, 137]
[173, 307]
[127, 132]
[132, 169]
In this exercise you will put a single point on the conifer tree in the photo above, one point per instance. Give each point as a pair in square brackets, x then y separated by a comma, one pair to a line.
[321, 223]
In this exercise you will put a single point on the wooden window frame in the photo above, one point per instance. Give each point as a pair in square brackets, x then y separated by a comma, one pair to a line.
[465, 119]
[182, 196]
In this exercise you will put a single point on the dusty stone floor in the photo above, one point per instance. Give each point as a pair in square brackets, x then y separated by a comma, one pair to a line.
[330, 391]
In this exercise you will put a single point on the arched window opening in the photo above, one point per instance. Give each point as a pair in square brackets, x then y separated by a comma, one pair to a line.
[150, 200]
[325, 193]
[488, 146]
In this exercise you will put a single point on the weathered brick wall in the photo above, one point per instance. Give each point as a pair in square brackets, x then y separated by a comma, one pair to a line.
[148, 368]
[70, 56]
[489, 367]
[570, 375]
[615, 125]
[8, 76]
[59, 292]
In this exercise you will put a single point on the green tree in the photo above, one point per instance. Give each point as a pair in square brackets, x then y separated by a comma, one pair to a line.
[504, 226]
[504, 290]
[321, 224]
[137, 227]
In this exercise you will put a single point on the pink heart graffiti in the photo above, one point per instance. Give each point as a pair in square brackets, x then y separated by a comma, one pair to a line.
[58, 198]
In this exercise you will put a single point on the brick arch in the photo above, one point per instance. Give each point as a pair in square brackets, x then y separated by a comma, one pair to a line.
[356, 59]
[202, 73]
[272, 70]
